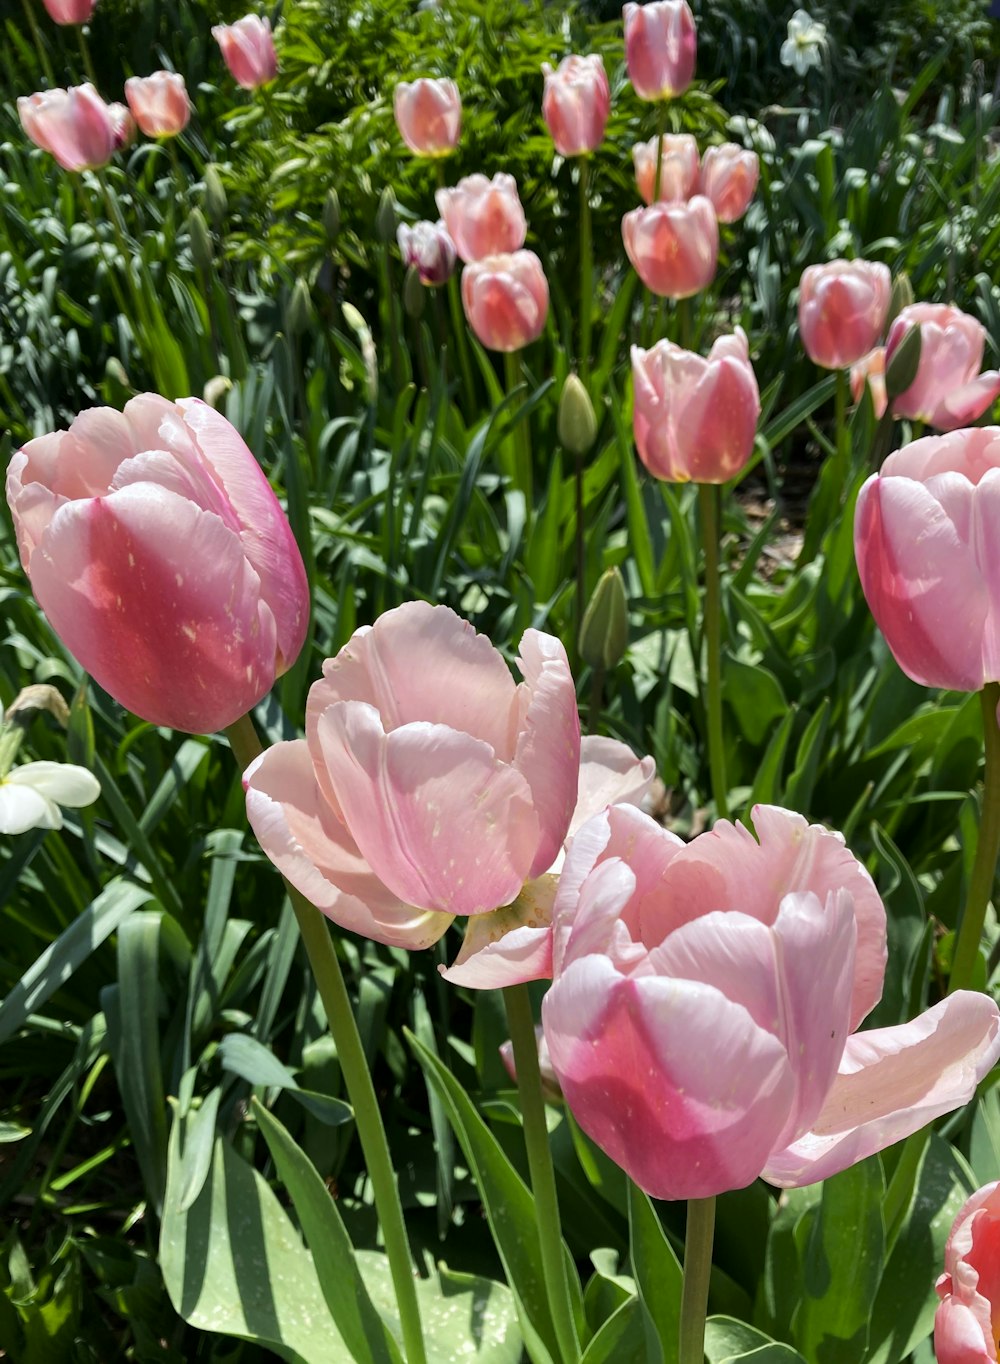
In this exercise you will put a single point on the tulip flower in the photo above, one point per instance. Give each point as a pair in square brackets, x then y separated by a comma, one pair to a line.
[660, 47]
[925, 534]
[948, 391]
[729, 177]
[483, 217]
[870, 370]
[428, 248]
[123, 124]
[695, 419]
[678, 167]
[161, 558]
[248, 50]
[701, 1020]
[506, 299]
[576, 104]
[673, 247]
[159, 102]
[843, 307]
[428, 115]
[69, 11]
[75, 126]
[969, 1288]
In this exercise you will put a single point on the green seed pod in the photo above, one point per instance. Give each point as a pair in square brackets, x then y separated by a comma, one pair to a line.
[385, 218]
[413, 293]
[201, 241]
[901, 370]
[902, 297]
[331, 215]
[299, 310]
[215, 196]
[604, 632]
[576, 422]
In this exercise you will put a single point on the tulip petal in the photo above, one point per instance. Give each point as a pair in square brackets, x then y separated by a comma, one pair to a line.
[893, 1081]
[963, 1332]
[548, 740]
[64, 783]
[610, 774]
[967, 404]
[23, 808]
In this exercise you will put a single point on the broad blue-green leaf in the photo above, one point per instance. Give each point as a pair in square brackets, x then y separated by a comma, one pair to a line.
[622, 1338]
[728, 1340]
[258, 1065]
[658, 1276]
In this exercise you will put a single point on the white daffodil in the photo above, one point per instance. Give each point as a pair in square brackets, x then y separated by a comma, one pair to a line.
[804, 45]
[30, 795]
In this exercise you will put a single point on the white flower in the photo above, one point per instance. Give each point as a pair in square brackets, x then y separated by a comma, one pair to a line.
[30, 795]
[805, 42]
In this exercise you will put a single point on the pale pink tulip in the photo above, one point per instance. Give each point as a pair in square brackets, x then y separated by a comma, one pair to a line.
[870, 370]
[550, 1085]
[506, 299]
[69, 11]
[161, 558]
[704, 998]
[483, 217]
[729, 176]
[695, 418]
[948, 391]
[843, 307]
[925, 537]
[75, 126]
[673, 247]
[576, 104]
[967, 1322]
[248, 50]
[428, 247]
[660, 48]
[123, 124]
[678, 167]
[428, 784]
[159, 102]
[428, 115]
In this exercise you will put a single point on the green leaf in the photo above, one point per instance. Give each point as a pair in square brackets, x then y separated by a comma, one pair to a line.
[658, 1277]
[244, 1056]
[622, 1338]
[754, 696]
[728, 1340]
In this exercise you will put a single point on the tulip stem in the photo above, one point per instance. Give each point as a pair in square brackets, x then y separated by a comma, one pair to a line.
[520, 1021]
[458, 327]
[586, 270]
[43, 56]
[581, 550]
[520, 442]
[841, 434]
[88, 65]
[337, 1004]
[697, 1273]
[970, 929]
[708, 502]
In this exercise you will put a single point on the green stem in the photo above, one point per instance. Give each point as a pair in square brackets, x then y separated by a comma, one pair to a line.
[586, 270]
[581, 551]
[517, 1003]
[697, 1272]
[43, 56]
[91, 217]
[333, 992]
[88, 65]
[841, 434]
[521, 446]
[970, 929]
[458, 327]
[685, 323]
[708, 502]
[391, 317]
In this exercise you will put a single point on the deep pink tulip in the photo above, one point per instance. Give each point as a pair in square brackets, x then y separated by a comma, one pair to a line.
[678, 167]
[870, 370]
[161, 558]
[159, 102]
[674, 247]
[248, 50]
[576, 104]
[428, 115]
[506, 299]
[729, 176]
[75, 126]
[69, 11]
[843, 306]
[660, 48]
[967, 1321]
[428, 784]
[948, 391]
[695, 418]
[483, 217]
[428, 247]
[925, 535]
[704, 998]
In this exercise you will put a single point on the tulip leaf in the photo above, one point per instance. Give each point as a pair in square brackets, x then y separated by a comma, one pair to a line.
[658, 1276]
[754, 695]
[621, 1339]
[728, 1341]
[244, 1056]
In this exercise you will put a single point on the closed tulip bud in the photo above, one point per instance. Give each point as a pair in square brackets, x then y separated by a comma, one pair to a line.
[413, 293]
[123, 124]
[506, 299]
[159, 103]
[75, 126]
[201, 241]
[842, 310]
[947, 390]
[428, 115]
[69, 11]
[673, 247]
[331, 215]
[902, 297]
[661, 43]
[248, 50]
[901, 366]
[576, 422]
[299, 312]
[216, 201]
[385, 218]
[576, 104]
[483, 217]
[604, 631]
[678, 167]
[427, 247]
[729, 177]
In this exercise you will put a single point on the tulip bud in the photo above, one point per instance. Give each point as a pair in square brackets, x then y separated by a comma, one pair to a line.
[331, 215]
[215, 196]
[299, 310]
[604, 632]
[201, 241]
[903, 363]
[385, 218]
[413, 293]
[900, 298]
[576, 422]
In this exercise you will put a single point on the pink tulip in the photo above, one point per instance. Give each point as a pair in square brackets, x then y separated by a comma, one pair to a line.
[248, 50]
[159, 102]
[550, 1085]
[428, 247]
[428, 784]
[729, 176]
[483, 217]
[925, 533]
[576, 104]
[948, 391]
[678, 167]
[704, 998]
[674, 247]
[75, 126]
[870, 370]
[161, 558]
[660, 47]
[123, 124]
[695, 419]
[842, 310]
[428, 115]
[69, 11]
[506, 299]
[965, 1329]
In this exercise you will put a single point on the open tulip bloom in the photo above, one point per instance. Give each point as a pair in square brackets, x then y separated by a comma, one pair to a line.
[967, 1322]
